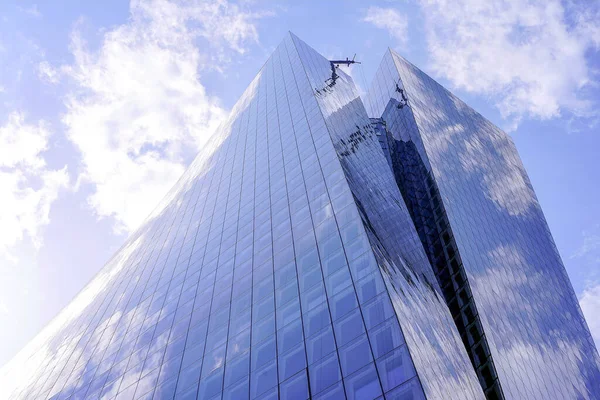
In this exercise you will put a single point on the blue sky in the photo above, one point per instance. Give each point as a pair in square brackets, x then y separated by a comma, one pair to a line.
[103, 104]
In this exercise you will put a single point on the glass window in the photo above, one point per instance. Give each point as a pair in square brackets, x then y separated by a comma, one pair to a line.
[334, 263]
[295, 388]
[324, 373]
[395, 368]
[316, 319]
[192, 354]
[334, 392]
[348, 327]
[290, 336]
[285, 274]
[216, 339]
[287, 293]
[292, 362]
[213, 360]
[288, 313]
[166, 390]
[386, 337]
[263, 379]
[343, 303]
[320, 345]
[377, 310]
[263, 329]
[238, 344]
[363, 385]
[263, 309]
[240, 391]
[263, 353]
[410, 390]
[369, 287]
[237, 369]
[189, 393]
[271, 394]
[310, 278]
[338, 281]
[263, 288]
[239, 322]
[211, 385]
[313, 297]
[197, 333]
[355, 355]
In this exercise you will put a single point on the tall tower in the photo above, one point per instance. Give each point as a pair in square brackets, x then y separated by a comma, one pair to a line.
[486, 238]
[295, 259]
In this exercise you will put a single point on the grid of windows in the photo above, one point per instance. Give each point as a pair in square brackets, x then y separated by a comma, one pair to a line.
[432, 340]
[538, 339]
[428, 213]
[254, 278]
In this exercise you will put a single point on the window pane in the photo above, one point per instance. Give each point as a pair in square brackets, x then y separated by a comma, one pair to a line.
[324, 373]
[363, 385]
[395, 368]
[295, 388]
[355, 355]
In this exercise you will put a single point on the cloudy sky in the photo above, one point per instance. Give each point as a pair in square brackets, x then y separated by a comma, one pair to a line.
[104, 103]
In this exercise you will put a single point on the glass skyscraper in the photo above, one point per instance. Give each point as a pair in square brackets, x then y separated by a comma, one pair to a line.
[317, 250]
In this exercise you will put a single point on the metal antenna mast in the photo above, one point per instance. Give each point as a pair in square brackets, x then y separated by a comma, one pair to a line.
[330, 82]
[337, 63]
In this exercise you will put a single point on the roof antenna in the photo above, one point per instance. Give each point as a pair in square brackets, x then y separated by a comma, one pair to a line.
[347, 62]
[336, 64]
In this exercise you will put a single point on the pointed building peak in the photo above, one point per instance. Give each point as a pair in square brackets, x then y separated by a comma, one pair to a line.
[396, 53]
[294, 36]
[297, 39]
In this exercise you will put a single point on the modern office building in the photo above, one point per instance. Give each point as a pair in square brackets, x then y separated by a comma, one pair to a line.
[317, 250]
[486, 239]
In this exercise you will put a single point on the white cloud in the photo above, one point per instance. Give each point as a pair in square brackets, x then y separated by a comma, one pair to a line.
[505, 184]
[529, 57]
[498, 291]
[587, 255]
[225, 23]
[590, 245]
[590, 305]
[32, 10]
[27, 185]
[47, 73]
[138, 111]
[527, 359]
[22, 143]
[391, 20]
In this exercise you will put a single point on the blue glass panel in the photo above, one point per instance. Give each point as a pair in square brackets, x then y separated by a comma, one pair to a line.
[295, 388]
[363, 384]
[503, 279]
[324, 373]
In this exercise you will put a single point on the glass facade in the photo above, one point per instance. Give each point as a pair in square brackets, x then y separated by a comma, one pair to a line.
[486, 238]
[299, 257]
